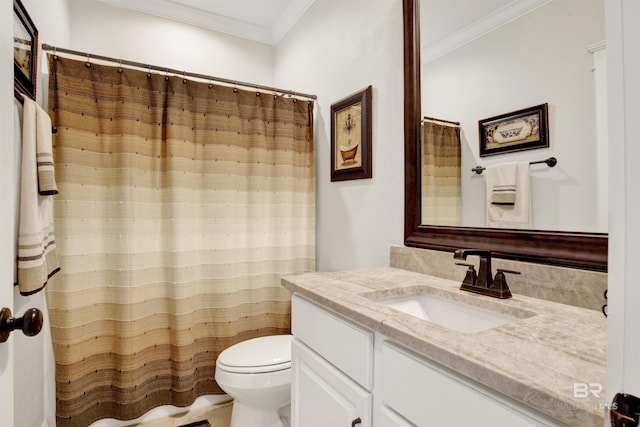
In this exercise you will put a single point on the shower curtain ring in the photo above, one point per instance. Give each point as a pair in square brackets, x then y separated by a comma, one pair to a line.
[88, 63]
[120, 67]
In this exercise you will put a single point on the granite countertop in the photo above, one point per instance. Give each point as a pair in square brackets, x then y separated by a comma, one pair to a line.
[535, 360]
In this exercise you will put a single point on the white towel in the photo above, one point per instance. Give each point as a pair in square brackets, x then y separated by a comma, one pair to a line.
[518, 214]
[37, 260]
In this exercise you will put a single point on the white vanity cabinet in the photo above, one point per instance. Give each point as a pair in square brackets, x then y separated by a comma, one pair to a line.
[332, 369]
[340, 378]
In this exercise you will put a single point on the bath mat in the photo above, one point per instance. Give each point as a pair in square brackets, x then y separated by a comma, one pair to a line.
[203, 423]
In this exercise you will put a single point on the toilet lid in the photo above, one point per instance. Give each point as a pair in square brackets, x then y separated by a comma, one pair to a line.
[263, 354]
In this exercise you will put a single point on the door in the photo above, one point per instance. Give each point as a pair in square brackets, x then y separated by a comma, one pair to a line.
[7, 204]
[623, 89]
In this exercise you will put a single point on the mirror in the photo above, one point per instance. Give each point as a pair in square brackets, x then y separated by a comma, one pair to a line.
[580, 249]
[514, 55]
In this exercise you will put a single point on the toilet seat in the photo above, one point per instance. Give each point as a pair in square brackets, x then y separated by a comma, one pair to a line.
[257, 355]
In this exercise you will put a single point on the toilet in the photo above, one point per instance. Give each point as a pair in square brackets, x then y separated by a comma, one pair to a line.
[257, 374]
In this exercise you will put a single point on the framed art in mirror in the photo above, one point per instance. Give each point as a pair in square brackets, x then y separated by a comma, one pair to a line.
[25, 50]
[351, 137]
[524, 129]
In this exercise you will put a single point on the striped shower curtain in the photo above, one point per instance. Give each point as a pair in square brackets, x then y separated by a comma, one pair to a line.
[181, 205]
[441, 180]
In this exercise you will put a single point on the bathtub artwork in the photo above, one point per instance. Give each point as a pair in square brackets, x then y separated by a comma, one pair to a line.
[351, 137]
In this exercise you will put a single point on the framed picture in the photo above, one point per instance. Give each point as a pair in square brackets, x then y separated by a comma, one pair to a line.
[25, 51]
[351, 137]
[525, 129]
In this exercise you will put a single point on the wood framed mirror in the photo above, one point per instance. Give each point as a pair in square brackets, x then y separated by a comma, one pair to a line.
[568, 249]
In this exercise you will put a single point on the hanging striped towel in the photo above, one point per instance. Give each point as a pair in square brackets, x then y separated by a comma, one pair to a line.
[37, 260]
[518, 214]
[502, 182]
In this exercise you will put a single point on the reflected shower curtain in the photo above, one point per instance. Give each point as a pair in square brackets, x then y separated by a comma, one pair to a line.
[181, 205]
[441, 181]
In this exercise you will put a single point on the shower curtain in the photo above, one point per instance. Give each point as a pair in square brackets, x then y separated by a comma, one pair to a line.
[441, 181]
[181, 205]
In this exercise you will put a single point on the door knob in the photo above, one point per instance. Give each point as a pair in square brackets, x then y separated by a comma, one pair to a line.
[30, 323]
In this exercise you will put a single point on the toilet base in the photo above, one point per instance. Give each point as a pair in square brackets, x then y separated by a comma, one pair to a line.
[243, 415]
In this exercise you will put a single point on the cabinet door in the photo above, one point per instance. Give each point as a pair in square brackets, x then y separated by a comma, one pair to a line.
[323, 396]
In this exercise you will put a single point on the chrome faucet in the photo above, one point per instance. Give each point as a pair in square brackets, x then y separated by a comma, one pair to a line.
[483, 283]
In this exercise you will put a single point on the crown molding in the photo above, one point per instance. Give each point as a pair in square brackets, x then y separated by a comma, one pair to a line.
[176, 11]
[480, 27]
[288, 19]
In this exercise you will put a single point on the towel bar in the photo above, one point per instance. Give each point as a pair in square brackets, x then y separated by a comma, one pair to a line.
[551, 162]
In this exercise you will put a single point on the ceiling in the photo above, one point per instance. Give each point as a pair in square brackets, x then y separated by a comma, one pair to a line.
[264, 21]
[448, 23]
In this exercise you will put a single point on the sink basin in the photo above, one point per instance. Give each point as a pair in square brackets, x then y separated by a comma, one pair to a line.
[446, 312]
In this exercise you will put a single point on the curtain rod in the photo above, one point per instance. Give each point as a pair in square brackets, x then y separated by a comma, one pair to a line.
[433, 119]
[90, 56]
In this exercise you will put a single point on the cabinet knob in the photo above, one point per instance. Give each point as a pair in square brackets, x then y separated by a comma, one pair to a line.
[30, 323]
[356, 422]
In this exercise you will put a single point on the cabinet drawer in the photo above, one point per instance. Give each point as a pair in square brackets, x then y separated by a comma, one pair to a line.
[347, 346]
[388, 418]
[426, 393]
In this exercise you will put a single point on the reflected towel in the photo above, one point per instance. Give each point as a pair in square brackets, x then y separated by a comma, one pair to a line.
[518, 214]
[504, 183]
[37, 260]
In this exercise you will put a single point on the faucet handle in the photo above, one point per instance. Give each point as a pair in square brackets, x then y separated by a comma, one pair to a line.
[504, 270]
[471, 276]
[499, 283]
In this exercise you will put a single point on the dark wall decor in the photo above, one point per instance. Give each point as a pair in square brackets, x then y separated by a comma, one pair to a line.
[577, 250]
[524, 129]
[25, 51]
[351, 137]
